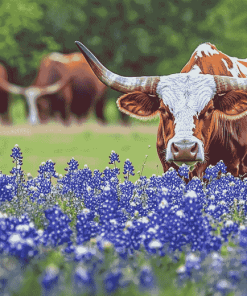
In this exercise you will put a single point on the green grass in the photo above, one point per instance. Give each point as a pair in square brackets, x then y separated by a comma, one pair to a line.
[87, 147]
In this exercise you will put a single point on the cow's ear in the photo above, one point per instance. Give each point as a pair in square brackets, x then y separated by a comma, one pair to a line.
[233, 104]
[139, 105]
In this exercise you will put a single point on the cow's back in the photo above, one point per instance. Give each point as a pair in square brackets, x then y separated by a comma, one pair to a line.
[207, 59]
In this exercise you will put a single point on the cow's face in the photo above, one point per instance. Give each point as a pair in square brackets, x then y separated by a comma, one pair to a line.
[185, 115]
[203, 132]
[191, 114]
[186, 96]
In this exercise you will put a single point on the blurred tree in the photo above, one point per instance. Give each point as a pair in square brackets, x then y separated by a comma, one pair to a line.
[226, 26]
[131, 37]
[17, 17]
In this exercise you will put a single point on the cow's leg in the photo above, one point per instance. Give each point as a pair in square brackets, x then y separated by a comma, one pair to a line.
[6, 119]
[100, 108]
[44, 109]
[67, 97]
[4, 108]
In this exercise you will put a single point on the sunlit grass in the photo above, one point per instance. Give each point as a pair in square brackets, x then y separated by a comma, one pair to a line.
[87, 147]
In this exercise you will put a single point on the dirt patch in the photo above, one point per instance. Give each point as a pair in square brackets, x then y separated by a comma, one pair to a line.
[27, 130]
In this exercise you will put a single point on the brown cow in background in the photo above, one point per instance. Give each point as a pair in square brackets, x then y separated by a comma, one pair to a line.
[82, 94]
[31, 94]
[65, 86]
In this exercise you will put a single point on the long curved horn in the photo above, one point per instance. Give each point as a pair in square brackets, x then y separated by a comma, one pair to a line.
[11, 88]
[226, 83]
[147, 84]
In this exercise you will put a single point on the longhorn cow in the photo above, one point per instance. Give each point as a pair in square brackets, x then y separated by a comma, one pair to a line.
[203, 118]
[31, 93]
[73, 89]
[82, 93]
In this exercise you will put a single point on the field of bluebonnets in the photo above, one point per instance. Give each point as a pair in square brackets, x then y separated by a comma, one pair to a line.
[90, 234]
[87, 232]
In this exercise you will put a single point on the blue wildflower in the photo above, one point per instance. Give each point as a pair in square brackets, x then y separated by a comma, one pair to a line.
[17, 155]
[211, 172]
[147, 279]
[221, 167]
[111, 281]
[183, 170]
[73, 165]
[83, 279]
[114, 157]
[50, 278]
[47, 169]
[58, 230]
[128, 169]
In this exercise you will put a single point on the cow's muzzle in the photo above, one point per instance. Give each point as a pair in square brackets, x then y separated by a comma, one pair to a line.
[185, 151]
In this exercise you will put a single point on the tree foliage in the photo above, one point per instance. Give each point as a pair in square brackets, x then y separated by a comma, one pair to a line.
[130, 37]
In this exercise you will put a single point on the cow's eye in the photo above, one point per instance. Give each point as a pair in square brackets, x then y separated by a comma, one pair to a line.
[163, 110]
[209, 111]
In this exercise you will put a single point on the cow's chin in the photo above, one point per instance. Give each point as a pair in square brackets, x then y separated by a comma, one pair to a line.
[190, 164]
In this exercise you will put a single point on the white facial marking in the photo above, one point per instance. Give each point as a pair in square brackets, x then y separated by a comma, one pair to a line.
[206, 48]
[31, 94]
[186, 95]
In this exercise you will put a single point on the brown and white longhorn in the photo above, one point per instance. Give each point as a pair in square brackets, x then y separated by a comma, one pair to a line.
[32, 93]
[199, 114]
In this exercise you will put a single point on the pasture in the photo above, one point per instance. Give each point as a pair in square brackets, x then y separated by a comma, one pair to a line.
[89, 143]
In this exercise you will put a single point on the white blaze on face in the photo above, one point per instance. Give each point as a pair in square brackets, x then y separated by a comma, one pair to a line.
[31, 94]
[186, 95]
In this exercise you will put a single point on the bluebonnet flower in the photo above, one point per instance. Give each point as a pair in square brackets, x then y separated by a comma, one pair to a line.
[221, 167]
[83, 279]
[86, 227]
[243, 237]
[6, 188]
[192, 262]
[18, 237]
[17, 155]
[111, 281]
[58, 230]
[47, 169]
[229, 228]
[224, 287]
[128, 169]
[114, 157]
[73, 165]
[84, 253]
[183, 170]
[50, 279]
[146, 279]
[211, 172]
[234, 276]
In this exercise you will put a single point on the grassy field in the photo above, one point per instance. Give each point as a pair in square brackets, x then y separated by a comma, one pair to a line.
[88, 143]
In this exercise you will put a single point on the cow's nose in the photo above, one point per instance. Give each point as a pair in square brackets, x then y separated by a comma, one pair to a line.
[184, 151]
